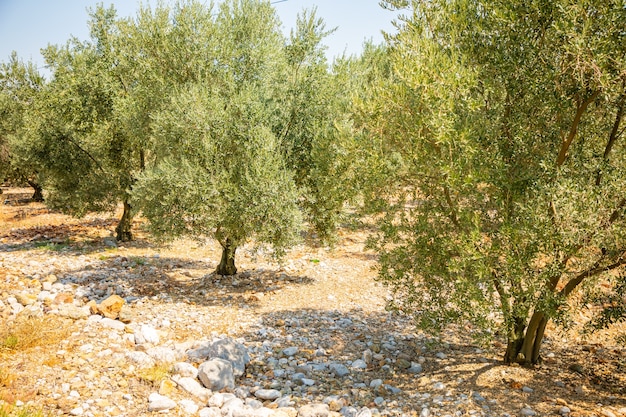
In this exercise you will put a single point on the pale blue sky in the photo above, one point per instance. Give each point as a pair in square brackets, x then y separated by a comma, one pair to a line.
[26, 26]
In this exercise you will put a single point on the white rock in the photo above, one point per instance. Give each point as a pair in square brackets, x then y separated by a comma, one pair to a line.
[189, 406]
[185, 369]
[217, 374]
[163, 354]
[375, 383]
[564, 411]
[78, 411]
[527, 412]
[111, 324]
[314, 410]
[210, 412]
[359, 364]
[267, 394]
[158, 402]
[141, 359]
[193, 387]
[290, 351]
[232, 405]
[149, 334]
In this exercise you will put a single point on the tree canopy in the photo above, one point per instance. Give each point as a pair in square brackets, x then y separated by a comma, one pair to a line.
[501, 128]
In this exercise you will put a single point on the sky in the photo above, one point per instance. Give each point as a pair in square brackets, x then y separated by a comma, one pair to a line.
[26, 26]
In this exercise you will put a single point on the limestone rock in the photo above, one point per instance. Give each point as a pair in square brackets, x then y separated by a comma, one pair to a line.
[158, 402]
[193, 387]
[217, 374]
[314, 410]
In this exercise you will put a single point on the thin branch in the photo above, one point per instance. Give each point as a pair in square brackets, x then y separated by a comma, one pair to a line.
[73, 142]
[593, 271]
[614, 131]
[566, 142]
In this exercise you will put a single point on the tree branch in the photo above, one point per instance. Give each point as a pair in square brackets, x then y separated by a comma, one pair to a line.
[566, 142]
[593, 271]
[614, 131]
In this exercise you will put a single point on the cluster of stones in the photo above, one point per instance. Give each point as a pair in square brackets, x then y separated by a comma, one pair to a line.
[285, 367]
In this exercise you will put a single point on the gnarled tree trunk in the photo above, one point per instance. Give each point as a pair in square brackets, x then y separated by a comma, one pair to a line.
[524, 342]
[227, 263]
[38, 191]
[123, 230]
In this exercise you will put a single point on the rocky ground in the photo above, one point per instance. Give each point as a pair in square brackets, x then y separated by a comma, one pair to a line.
[132, 329]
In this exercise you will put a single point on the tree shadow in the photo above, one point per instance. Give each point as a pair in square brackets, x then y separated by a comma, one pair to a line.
[174, 280]
[458, 375]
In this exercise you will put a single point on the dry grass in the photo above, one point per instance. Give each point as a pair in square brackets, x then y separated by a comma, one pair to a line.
[154, 375]
[13, 411]
[26, 333]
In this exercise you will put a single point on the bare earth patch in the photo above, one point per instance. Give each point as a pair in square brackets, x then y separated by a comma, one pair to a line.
[305, 296]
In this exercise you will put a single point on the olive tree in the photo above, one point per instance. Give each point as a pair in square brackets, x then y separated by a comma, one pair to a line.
[502, 129]
[219, 168]
[20, 84]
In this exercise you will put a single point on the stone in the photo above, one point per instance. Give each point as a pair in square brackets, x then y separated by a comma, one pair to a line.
[339, 369]
[403, 363]
[364, 412]
[232, 406]
[217, 374]
[111, 324]
[148, 334]
[218, 399]
[185, 369]
[111, 306]
[375, 383]
[141, 359]
[415, 368]
[441, 355]
[527, 412]
[439, 386]
[193, 387]
[78, 411]
[163, 354]
[167, 387]
[26, 299]
[290, 351]
[267, 394]
[210, 412]
[63, 298]
[359, 364]
[234, 352]
[125, 314]
[73, 312]
[188, 406]
[314, 410]
[564, 411]
[158, 402]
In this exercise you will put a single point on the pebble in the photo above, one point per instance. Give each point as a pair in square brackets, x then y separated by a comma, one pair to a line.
[294, 366]
[267, 394]
[158, 402]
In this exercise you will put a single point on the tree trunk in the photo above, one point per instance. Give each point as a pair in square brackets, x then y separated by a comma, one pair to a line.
[227, 264]
[525, 342]
[515, 341]
[38, 193]
[123, 230]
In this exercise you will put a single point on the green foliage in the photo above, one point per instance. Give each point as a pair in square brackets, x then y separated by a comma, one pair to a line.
[20, 85]
[494, 144]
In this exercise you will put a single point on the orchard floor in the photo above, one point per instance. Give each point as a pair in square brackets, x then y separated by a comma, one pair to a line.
[318, 300]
